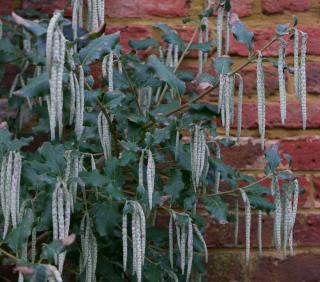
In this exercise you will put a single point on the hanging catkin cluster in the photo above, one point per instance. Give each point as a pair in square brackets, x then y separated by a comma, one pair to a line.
[105, 135]
[261, 99]
[145, 99]
[247, 205]
[151, 171]
[286, 205]
[199, 156]
[77, 17]
[72, 172]
[89, 248]
[107, 69]
[76, 79]
[300, 73]
[95, 16]
[184, 239]
[55, 52]
[10, 189]
[282, 81]
[61, 211]
[138, 233]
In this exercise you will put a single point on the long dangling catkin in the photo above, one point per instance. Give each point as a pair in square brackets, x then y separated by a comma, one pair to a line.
[33, 244]
[176, 56]
[150, 177]
[15, 184]
[170, 230]
[183, 247]
[110, 71]
[303, 79]
[200, 53]
[236, 224]
[287, 218]
[105, 135]
[79, 103]
[240, 102]
[217, 173]
[227, 39]
[219, 29]
[260, 231]
[227, 98]
[296, 63]
[189, 249]
[222, 82]
[247, 223]
[124, 240]
[205, 22]
[261, 98]
[2, 184]
[169, 59]
[282, 82]
[278, 214]
[204, 245]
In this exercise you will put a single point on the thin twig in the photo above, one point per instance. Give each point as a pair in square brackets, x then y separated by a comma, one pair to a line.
[7, 254]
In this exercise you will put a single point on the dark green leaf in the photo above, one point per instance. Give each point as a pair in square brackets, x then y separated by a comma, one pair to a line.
[217, 208]
[223, 64]
[282, 28]
[143, 44]
[170, 35]
[242, 34]
[166, 74]
[98, 48]
[49, 252]
[260, 203]
[31, 26]
[36, 86]
[175, 185]
[273, 157]
[93, 178]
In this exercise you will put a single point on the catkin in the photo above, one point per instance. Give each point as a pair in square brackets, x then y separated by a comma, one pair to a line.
[227, 39]
[204, 245]
[150, 177]
[110, 71]
[217, 173]
[190, 249]
[240, 102]
[183, 248]
[169, 59]
[105, 135]
[296, 63]
[170, 230]
[261, 99]
[303, 79]
[200, 53]
[278, 215]
[247, 223]
[176, 56]
[236, 224]
[282, 82]
[219, 30]
[260, 231]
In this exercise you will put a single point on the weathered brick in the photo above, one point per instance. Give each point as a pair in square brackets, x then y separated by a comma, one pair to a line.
[225, 268]
[6, 7]
[313, 77]
[275, 6]
[46, 6]
[146, 8]
[264, 35]
[301, 267]
[249, 75]
[305, 152]
[316, 182]
[128, 32]
[273, 120]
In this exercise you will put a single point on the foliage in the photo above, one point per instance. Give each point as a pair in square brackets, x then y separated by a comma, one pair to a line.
[128, 151]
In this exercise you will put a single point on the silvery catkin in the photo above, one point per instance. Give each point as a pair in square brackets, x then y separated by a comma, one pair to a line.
[282, 81]
[240, 102]
[303, 79]
[219, 29]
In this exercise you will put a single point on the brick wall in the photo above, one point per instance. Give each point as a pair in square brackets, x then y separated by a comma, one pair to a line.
[134, 19]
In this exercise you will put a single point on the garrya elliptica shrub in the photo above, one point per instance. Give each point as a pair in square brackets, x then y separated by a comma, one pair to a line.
[125, 159]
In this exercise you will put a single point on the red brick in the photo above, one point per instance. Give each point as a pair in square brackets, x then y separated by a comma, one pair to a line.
[264, 35]
[313, 77]
[316, 182]
[305, 153]
[276, 6]
[301, 267]
[46, 6]
[128, 32]
[250, 77]
[146, 8]
[243, 8]
[6, 7]
[273, 120]
[307, 230]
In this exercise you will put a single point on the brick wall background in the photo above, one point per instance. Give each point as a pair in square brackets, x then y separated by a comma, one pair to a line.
[134, 19]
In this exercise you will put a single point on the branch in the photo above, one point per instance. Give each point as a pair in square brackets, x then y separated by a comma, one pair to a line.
[7, 254]
[178, 65]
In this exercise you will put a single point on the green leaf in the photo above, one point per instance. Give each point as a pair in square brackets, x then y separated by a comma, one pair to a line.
[205, 47]
[170, 35]
[9, 144]
[114, 99]
[36, 87]
[93, 178]
[19, 235]
[222, 64]
[260, 203]
[206, 13]
[216, 207]
[295, 21]
[143, 44]
[53, 156]
[113, 172]
[50, 251]
[41, 274]
[273, 157]
[242, 34]
[31, 26]
[175, 185]
[98, 48]
[166, 74]
[106, 217]
[282, 29]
